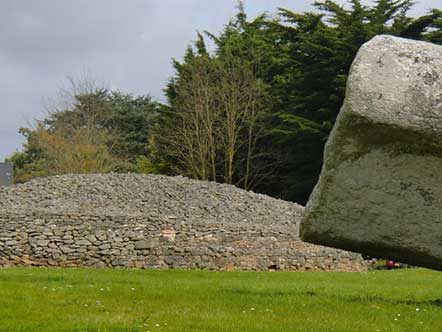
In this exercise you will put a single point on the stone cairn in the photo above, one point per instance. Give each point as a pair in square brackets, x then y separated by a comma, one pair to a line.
[155, 222]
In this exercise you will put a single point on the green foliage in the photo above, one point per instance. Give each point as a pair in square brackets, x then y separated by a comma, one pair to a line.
[98, 131]
[145, 165]
[320, 49]
[131, 118]
[299, 61]
[30, 162]
[303, 60]
[215, 119]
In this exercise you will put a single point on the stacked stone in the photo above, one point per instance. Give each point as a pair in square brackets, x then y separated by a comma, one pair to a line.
[155, 222]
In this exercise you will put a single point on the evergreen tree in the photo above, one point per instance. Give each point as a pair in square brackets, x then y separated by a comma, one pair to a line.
[303, 60]
[298, 65]
[321, 48]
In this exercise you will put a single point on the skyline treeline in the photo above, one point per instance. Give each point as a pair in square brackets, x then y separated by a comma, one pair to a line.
[255, 112]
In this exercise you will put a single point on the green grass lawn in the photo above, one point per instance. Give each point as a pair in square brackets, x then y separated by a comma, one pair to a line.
[42, 300]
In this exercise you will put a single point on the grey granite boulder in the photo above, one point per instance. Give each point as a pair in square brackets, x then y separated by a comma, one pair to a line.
[380, 190]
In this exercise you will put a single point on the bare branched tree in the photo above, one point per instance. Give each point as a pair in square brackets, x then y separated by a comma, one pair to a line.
[217, 115]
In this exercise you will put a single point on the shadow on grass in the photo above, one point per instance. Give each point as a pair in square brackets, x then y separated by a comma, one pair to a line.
[267, 293]
[31, 278]
[345, 298]
[377, 298]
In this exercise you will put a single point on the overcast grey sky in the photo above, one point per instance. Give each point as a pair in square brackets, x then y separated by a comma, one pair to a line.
[124, 44]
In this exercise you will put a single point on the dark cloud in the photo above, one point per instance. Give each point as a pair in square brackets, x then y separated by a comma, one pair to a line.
[125, 44]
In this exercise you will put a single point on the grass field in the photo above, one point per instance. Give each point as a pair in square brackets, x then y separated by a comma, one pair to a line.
[41, 300]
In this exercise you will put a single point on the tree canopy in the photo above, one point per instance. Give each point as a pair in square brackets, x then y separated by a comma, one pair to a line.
[255, 112]
[96, 131]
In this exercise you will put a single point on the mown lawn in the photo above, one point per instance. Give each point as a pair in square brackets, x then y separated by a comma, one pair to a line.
[42, 300]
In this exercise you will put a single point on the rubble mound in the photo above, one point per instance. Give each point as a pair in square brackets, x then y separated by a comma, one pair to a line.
[152, 195]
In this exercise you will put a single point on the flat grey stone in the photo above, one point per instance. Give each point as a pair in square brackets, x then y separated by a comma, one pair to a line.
[82, 242]
[67, 250]
[142, 244]
[380, 190]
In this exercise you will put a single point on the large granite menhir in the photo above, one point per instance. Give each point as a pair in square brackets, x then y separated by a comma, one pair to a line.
[380, 190]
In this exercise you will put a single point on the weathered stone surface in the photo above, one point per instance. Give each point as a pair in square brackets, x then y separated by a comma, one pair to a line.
[144, 244]
[380, 190]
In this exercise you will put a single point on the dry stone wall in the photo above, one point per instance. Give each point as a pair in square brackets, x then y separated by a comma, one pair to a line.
[155, 222]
